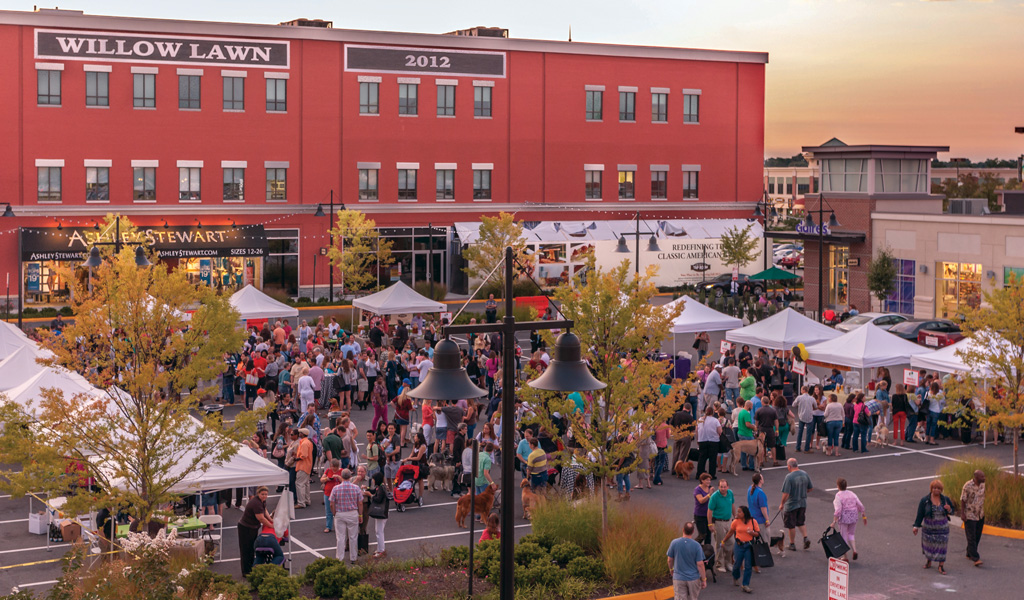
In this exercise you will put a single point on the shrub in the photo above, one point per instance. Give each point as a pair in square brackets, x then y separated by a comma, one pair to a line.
[1004, 492]
[520, 287]
[566, 551]
[363, 592]
[539, 573]
[261, 572]
[464, 318]
[317, 566]
[304, 300]
[30, 312]
[333, 581]
[565, 522]
[437, 294]
[279, 588]
[529, 552]
[544, 540]
[573, 588]
[634, 546]
[66, 311]
[487, 560]
[586, 568]
[455, 557]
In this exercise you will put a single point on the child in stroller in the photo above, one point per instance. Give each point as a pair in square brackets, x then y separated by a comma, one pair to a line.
[405, 487]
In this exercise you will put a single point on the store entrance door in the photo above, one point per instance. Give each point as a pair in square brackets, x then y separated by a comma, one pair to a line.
[436, 271]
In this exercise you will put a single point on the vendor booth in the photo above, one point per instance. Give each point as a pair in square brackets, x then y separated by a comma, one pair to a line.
[254, 305]
[782, 331]
[18, 367]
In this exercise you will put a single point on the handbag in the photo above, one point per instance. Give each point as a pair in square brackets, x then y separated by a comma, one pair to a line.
[279, 451]
[833, 543]
[726, 440]
[379, 510]
[251, 379]
[762, 553]
[696, 344]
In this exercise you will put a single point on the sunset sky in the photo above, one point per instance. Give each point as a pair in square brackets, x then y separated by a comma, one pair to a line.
[867, 71]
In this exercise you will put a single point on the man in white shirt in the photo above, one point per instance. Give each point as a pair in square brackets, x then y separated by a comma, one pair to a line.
[425, 364]
[731, 378]
[709, 432]
[804, 405]
[713, 386]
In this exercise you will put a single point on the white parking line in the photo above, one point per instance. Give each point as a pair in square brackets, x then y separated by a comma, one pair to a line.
[871, 456]
[306, 548]
[894, 481]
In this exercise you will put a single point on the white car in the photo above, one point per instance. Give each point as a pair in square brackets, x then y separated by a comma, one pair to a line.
[883, 320]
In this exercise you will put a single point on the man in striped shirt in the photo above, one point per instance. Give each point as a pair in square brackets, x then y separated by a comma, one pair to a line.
[347, 505]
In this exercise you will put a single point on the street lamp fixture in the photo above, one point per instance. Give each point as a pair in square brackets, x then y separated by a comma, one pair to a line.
[141, 260]
[8, 212]
[652, 244]
[320, 213]
[833, 222]
[765, 215]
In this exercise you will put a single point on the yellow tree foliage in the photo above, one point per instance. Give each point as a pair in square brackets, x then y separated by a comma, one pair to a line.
[131, 329]
[359, 253]
[496, 234]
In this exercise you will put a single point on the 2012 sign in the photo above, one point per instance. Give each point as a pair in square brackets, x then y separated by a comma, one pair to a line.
[429, 61]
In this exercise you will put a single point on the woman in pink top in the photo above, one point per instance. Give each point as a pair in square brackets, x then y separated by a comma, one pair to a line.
[427, 409]
[848, 508]
[492, 364]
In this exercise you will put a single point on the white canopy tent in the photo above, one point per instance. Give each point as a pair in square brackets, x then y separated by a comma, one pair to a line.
[254, 304]
[13, 329]
[946, 360]
[782, 331]
[12, 338]
[28, 393]
[398, 299]
[697, 317]
[18, 367]
[865, 347]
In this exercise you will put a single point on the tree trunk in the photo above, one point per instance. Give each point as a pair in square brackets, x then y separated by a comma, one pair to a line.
[604, 505]
[1016, 460]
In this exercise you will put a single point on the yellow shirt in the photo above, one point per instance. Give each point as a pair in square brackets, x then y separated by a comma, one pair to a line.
[537, 462]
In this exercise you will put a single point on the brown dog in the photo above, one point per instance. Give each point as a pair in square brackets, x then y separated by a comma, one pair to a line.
[482, 507]
[753, 447]
[683, 468]
[532, 499]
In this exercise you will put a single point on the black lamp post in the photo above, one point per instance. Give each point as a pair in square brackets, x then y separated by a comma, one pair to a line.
[832, 223]
[94, 259]
[652, 244]
[447, 380]
[330, 268]
[768, 212]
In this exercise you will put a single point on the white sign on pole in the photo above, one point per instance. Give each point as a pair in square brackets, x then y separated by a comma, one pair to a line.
[735, 273]
[799, 367]
[910, 377]
[446, 315]
[725, 347]
[838, 579]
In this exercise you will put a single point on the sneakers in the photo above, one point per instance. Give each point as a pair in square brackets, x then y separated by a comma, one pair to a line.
[419, 501]
[736, 582]
[748, 589]
[720, 569]
[807, 543]
[792, 547]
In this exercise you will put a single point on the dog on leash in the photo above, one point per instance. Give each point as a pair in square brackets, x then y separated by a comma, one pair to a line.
[778, 541]
[683, 468]
[481, 506]
[530, 498]
[882, 436]
[441, 472]
[414, 428]
[753, 448]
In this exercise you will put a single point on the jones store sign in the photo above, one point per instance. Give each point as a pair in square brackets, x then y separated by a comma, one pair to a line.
[145, 48]
[74, 243]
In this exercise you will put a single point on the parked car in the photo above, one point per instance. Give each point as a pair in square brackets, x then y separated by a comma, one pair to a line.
[913, 329]
[722, 285]
[883, 320]
[787, 248]
[939, 339]
[791, 260]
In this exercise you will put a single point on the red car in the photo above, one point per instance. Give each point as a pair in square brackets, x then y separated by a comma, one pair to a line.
[938, 339]
[790, 261]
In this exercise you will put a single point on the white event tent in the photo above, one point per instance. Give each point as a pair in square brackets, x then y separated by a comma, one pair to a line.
[697, 317]
[254, 304]
[782, 331]
[30, 391]
[12, 338]
[398, 299]
[865, 347]
[18, 367]
[946, 360]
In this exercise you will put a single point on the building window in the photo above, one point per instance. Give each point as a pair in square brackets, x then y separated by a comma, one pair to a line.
[446, 100]
[593, 184]
[407, 184]
[803, 186]
[771, 185]
[901, 300]
[408, 99]
[97, 183]
[97, 88]
[277, 95]
[627, 106]
[957, 288]
[895, 176]
[691, 108]
[446, 184]
[368, 98]
[281, 267]
[144, 183]
[48, 88]
[482, 101]
[482, 182]
[690, 185]
[368, 184]
[144, 90]
[188, 91]
[234, 184]
[234, 93]
[659, 185]
[844, 175]
[49, 184]
[659, 107]
[838, 274]
[277, 184]
[594, 101]
[626, 184]
[188, 183]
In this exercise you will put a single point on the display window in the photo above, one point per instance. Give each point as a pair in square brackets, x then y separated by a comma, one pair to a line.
[957, 287]
[838, 275]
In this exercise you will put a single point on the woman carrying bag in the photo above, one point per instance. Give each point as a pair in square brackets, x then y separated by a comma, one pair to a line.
[379, 506]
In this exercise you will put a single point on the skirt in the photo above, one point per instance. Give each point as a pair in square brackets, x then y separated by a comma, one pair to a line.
[934, 538]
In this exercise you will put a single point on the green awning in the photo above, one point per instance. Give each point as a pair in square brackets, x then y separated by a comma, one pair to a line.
[774, 274]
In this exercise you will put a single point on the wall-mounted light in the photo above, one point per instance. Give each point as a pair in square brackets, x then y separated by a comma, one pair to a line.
[200, 226]
[166, 226]
[923, 269]
[990, 274]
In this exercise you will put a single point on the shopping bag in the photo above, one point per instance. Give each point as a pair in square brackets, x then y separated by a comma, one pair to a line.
[762, 553]
[833, 543]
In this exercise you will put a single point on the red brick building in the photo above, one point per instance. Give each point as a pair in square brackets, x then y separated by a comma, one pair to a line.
[246, 129]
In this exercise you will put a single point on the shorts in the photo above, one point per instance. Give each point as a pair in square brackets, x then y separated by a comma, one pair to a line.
[792, 519]
[441, 434]
[400, 421]
[451, 436]
[316, 394]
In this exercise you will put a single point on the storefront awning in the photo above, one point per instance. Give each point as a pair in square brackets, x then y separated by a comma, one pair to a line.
[174, 241]
[835, 237]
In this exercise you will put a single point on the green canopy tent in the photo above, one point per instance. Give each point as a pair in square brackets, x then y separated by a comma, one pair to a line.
[775, 274]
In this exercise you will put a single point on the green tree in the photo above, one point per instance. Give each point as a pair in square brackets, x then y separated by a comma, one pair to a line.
[618, 327]
[882, 275]
[739, 247]
[132, 328]
[359, 253]
[496, 234]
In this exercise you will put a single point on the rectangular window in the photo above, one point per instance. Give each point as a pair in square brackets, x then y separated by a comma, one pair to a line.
[659, 185]
[281, 267]
[48, 88]
[407, 184]
[49, 184]
[446, 100]
[144, 183]
[234, 93]
[894, 176]
[901, 300]
[594, 100]
[482, 182]
[803, 185]
[277, 95]
[844, 175]
[627, 106]
[97, 88]
[481, 101]
[593, 184]
[659, 108]
[188, 91]
[277, 184]
[957, 288]
[234, 184]
[691, 108]
[771, 185]
[690, 188]
[626, 184]
[97, 183]
[368, 184]
[144, 90]
[188, 183]
[408, 99]
[368, 98]
[446, 184]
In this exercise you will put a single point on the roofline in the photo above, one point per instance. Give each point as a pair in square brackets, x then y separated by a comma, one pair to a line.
[221, 28]
[874, 148]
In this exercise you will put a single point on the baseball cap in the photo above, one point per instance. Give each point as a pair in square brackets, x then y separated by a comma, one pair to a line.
[261, 391]
[407, 381]
[304, 431]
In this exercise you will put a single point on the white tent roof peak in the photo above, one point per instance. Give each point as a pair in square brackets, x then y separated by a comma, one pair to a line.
[782, 331]
[696, 318]
[18, 367]
[865, 347]
[12, 338]
[254, 304]
[29, 393]
[398, 299]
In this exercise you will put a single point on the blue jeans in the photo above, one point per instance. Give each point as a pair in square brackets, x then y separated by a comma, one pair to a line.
[660, 462]
[932, 424]
[622, 481]
[328, 514]
[732, 394]
[847, 433]
[227, 390]
[693, 405]
[265, 540]
[744, 457]
[860, 434]
[911, 426]
[743, 555]
[833, 428]
[809, 427]
[539, 481]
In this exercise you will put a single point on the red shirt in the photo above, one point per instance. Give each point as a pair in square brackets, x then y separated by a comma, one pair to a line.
[486, 535]
[330, 483]
[260, 363]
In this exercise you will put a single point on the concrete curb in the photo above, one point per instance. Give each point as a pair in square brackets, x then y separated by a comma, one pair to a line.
[1003, 532]
[661, 594]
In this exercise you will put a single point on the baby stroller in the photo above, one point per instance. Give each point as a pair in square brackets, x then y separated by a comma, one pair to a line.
[405, 487]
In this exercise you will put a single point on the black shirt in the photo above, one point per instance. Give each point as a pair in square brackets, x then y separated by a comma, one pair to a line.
[376, 336]
[765, 418]
[681, 419]
[254, 507]
[744, 359]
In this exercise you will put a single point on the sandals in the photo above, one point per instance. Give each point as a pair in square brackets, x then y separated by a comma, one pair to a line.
[328, 530]
[942, 570]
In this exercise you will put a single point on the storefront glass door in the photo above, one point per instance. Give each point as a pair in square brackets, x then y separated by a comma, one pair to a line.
[957, 286]
[838, 276]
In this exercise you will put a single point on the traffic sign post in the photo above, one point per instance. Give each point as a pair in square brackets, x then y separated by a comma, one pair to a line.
[838, 579]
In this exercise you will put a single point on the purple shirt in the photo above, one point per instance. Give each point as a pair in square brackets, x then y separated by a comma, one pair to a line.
[700, 509]
[318, 376]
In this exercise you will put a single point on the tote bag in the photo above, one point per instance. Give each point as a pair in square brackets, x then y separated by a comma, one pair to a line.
[833, 543]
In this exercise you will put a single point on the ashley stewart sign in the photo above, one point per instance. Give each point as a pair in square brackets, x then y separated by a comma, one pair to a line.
[175, 241]
[94, 45]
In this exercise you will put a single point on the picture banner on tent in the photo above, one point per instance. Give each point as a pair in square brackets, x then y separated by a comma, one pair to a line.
[799, 367]
[910, 377]
[725, 347]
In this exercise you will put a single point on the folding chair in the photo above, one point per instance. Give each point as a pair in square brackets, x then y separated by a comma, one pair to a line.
[211, 522]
